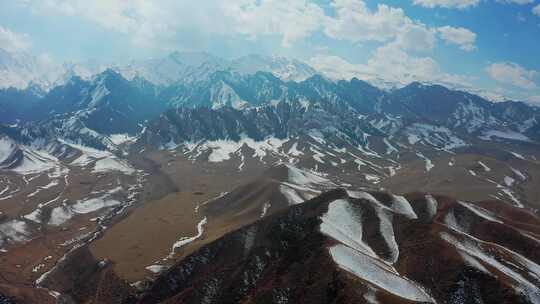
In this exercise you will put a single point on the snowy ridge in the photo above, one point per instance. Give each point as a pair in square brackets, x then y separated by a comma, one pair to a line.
[302, 185]
[221, 150]
[343, 222]
[507, 134]
[104, 161]
[432, 206]
[61, 214]
[376, 273]
[524, 273]
[305, 178]
[25, 160]
[7, 148]
[439, 137]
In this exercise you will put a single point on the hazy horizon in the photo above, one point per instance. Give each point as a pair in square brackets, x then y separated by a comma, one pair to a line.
[485, 45]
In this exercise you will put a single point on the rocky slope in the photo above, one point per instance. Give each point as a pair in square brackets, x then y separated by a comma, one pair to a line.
[361, 247]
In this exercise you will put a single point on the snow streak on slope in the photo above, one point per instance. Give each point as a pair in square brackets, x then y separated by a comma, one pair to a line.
[156, 268]
[119, 139]
[378, 274]
[104, 161]
[186, 240]
[304, 178]
[402, 206]
[302, 185]
[343, 222]
[292, 196]
[113, 164]
[524, 274]
[507, 134]
[432, 206]
[7, 147]
[481, 212]
[26, 160]
[61, 214]
[429, 163]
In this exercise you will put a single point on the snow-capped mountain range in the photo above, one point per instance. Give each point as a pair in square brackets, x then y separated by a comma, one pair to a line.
[79, 106]
[21, 70]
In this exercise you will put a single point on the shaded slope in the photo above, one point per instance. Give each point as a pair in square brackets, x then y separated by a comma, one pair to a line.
[346, 247]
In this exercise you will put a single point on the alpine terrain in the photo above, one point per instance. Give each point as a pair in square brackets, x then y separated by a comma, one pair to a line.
[190, 178]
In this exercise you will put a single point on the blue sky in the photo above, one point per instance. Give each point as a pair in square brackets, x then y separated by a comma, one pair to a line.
[485, 46]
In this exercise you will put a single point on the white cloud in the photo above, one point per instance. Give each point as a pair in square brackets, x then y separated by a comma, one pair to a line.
[513, 74]
[292, 20]
[338, 68]
[536, 10]
[516, 1]
[141, 20]
[389, 64]
[415, 37]
[446, 3]
[534, 99]
[151, 23]
[395, 65]
[460, 36]
[390, 67]
[158, 25]
[13, 42]
[354, 21]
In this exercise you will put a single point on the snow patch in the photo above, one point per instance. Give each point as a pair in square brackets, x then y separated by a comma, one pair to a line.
[35, 161]
[292, 196]
[156, 268]
[294, 150]
[520, 174]
[517, 155]
[7, 147]
[378, 274]
[343, 223]
[508, 181]
[429, 163]
[402, 206]
[431, 206]
[222, 149]
[507, 134]
[113, 164]
[372, 178]
[61, 214]
[186, 240]
[119, 139]
[439, 137]
[304, 178]
[481, 212]
[512, 266]
[266, 206]
[486, 168]
[389, 147]
[13, 231]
